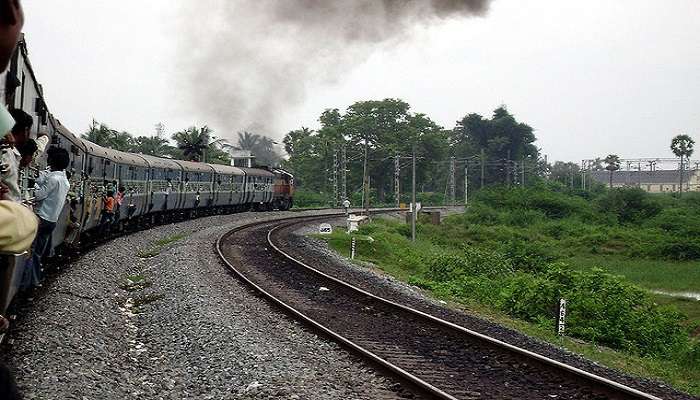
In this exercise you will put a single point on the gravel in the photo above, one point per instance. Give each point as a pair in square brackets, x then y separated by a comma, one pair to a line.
[177, 325]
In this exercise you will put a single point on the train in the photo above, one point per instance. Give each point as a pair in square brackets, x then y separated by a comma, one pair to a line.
[152, 189]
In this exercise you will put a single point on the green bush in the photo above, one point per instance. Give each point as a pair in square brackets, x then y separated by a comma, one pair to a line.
[676, 248]
[305, 198]
[473, 262]
[628, 204]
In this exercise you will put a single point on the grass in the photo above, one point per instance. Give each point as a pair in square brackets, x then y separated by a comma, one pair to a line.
[157, 246]
[674, 276]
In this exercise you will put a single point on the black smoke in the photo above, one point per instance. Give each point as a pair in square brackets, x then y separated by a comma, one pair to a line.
[248, 62]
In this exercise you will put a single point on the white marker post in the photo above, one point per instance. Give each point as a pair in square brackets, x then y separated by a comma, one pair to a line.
[561, 317]
[352, 249]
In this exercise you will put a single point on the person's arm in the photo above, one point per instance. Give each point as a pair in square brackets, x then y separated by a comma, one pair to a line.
[41, 142]
[44, 188]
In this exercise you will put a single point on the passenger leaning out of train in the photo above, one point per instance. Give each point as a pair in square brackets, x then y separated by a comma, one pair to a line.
[11, 155]
[50, 193]
[108, 203]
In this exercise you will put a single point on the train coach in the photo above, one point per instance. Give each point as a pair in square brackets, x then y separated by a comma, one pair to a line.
[150, 189]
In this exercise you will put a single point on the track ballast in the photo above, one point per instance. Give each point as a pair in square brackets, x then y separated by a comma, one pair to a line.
[442, 359]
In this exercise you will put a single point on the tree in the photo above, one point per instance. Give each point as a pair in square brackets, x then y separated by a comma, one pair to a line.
[567, 173]
[122, 141]
[682, 147]
[152, 146]
[501, 138]
[262, 147]
[193, 142]
[98, 133]
[612, 162]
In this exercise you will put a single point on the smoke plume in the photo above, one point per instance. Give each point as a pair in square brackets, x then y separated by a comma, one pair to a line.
[247, 62]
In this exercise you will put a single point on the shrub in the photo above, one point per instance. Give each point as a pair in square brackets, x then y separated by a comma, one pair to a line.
[676, 248]
[628, 204]
[474, 262]
[605, 309]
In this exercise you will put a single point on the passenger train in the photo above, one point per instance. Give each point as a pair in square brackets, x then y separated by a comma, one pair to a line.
[154, 189]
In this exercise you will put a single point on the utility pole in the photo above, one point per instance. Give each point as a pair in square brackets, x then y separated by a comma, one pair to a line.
[397, 175]
[453, 167]
[466, 183]
[483, 167]
[522, 172]
[508, 169]
[335, 176]
[571, 176]
[365, 181]
[414, 209]
[344, 171]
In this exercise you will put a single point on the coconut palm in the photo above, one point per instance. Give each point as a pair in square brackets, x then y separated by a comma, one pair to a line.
[152, 146]
[247, 141]
[122, 141]
[193, 142]
[612, 162]
[682, 147]
[98, 133]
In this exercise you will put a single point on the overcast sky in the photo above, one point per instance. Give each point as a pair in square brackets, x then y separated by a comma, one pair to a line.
[592, 77]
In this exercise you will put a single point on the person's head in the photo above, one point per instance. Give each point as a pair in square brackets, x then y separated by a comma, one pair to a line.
[58, 158]
[122, 189]
[11, 22]
[110, 193]
[27, 151]
[23, 125]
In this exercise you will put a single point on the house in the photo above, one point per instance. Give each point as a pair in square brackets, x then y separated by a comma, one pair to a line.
[660, 181]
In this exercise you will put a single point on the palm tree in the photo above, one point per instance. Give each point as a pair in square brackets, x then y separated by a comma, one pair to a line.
[247, 141]
[613, 164]
[98, 133]
[152, 146]
[682, 146]
[122, 141]
[193, 142]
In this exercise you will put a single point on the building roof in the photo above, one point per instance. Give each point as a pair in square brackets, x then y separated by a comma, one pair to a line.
[668, 177]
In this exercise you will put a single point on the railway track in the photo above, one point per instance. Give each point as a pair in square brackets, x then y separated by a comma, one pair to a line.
[440, 358]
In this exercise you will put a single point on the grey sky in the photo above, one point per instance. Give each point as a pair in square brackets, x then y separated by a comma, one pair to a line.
[592, 77]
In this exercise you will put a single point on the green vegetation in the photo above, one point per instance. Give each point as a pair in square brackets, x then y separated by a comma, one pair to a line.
[515, 252]
[157, 246]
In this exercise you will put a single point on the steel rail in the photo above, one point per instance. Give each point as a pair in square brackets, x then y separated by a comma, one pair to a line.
[499, 343]
[400, 372]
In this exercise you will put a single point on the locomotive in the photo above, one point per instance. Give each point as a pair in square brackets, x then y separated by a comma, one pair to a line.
[153, 189]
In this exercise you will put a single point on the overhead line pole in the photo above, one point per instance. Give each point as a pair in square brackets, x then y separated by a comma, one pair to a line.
[414, 208]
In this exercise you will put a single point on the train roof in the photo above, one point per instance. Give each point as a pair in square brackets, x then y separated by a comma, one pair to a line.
[66, 133]
[160, 162]
[257, 172]
[191, 166]
[227, 169]
[114, 155]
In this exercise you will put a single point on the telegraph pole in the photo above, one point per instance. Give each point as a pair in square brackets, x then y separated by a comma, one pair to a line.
[414, 209]
[453, 167]
[508, 169]
[466, 183]
[397, 175]
[365, 181]
[343, 173]
[335, 176]
[483, 167]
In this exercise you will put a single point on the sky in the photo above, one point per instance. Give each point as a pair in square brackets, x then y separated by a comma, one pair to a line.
[591, 77]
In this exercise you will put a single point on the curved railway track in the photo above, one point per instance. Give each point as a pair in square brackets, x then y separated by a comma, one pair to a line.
[442, 359]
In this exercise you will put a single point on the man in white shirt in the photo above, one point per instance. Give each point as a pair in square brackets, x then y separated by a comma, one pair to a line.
[50, 194]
